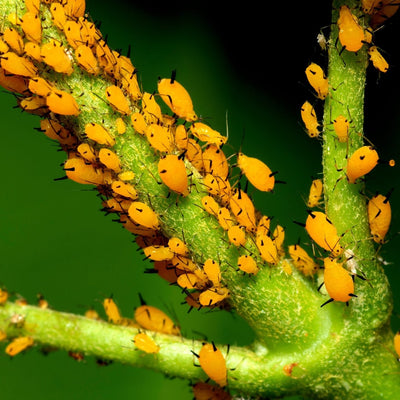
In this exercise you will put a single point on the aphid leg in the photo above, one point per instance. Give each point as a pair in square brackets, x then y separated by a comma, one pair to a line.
[327, 302]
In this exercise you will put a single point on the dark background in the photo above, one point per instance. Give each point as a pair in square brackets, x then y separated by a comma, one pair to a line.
[241, 60]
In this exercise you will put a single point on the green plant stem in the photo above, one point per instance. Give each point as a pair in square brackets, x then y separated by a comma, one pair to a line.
[251, 373]
[248, 371]
[345, 202]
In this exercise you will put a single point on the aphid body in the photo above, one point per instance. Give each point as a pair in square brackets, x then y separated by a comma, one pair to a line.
[213, 363]
[351, 34]
[362, 161]
[153, 319]
[142, 214]
[379, 217]
[172, 171]
[247, 264]
[206, 134]
[145, 343]
[112, 311]
[341, 125]
[314, 197]
[377, 59]
[323, 232]
[18, 344]
[302, 260]
[338, 281]
[258, 173]
[243, 209]
[310, 120]
[177, 98]
[317, 79]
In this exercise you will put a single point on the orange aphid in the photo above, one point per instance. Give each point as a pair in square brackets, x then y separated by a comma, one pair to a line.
[323, 232]
[40, 86]
[396, 342]
[81, 171]
[247, 264]
[213, 363]
[338, 281]
[32, 26]
[362, 161]
[142, 214]
[177, 98]
[318, 80]
[145, 343]
[3, 296]
[32, 50]
[379, 216]
[172, 171]
[86, 59]
[14, 40]
[13, 83]
[153, 319]
[74, 8]
[112, 311]
[243, 209]
[54, 55]
[212, 296]
[258, 173]
[351, 34]
[99, 134]
[54, 130]
[17, 65]
[19, 344]
[117, 99]
[160, 138]
[124, 189]
[63, 103]
[110, 160]
[206, 134]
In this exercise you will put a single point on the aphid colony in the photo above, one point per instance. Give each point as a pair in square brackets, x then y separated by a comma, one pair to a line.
[340, 265]
[182, 142]
[182, 148]
[352, 36]
[149, 321]
[20, 343]
[23, 51]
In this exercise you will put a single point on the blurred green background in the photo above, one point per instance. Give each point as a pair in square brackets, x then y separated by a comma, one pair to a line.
[54, 240]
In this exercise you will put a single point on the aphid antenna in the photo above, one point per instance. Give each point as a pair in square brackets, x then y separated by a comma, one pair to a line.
[202, 335]
[142, 301]
[99, 97]
[173, 76]
[300, 223]
[104, 296]
[150, 270]
[173, 313]
[128, 53]
[369, 142]
[61, 178]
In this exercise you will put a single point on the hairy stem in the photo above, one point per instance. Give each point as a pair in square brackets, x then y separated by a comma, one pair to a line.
[345, 202]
